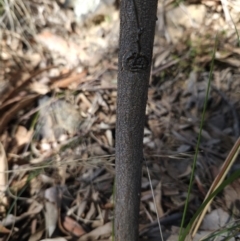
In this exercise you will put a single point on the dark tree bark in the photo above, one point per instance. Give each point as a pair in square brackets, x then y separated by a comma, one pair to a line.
[137, 24]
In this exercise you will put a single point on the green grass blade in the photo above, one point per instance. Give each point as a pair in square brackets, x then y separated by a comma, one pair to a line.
[228, 181]
[199, 140]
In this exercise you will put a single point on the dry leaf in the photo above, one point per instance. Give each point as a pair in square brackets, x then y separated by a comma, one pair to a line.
[34, 59]
[39, 88]
[232, 197]
[54, 239]
[235, 62]
[109, 137]
[158, 200]
[215, 220]
[161, 57]
[96, 233]
[52, 194]
[91, 213]
[199, 236]
[37, 235]
[73, 227]
[17, 185]
[35, 208]
[51, 217]
[56, 43]
[4, 230]
[23, 136]
[70, 82]
[3, 178]
[53, 42]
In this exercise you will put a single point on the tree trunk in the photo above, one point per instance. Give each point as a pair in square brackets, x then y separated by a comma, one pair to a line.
[137, 24]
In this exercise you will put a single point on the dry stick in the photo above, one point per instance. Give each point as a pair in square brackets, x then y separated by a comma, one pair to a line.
[137, 25]
[216, 183]
[155, 205]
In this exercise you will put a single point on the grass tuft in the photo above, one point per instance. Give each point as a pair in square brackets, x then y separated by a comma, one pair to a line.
[181, 236]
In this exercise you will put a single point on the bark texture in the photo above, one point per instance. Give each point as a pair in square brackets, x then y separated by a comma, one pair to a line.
[137, 24]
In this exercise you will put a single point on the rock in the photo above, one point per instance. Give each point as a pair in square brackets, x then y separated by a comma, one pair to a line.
[57, 117]
[88, 9]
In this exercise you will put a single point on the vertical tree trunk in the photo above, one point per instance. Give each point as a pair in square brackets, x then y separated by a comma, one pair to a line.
[137, 24]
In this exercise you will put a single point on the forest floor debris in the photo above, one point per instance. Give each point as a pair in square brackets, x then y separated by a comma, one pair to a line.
[58, 112]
